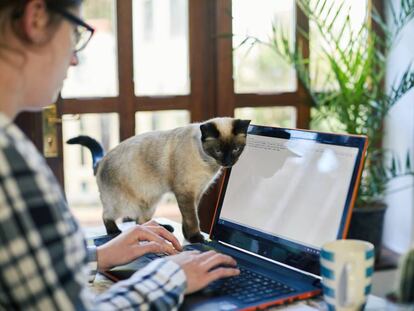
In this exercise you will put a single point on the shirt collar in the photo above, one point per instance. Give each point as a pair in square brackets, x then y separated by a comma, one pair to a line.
[4, 120]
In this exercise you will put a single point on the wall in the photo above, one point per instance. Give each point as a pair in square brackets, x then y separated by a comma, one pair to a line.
[399, 222]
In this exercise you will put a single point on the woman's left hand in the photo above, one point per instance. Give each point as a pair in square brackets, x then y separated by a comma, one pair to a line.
[127, 247]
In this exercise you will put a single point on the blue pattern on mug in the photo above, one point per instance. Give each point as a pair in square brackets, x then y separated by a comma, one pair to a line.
[338, 262]
[327, 273]
[369, 254]
[327, 255]
[328, 291]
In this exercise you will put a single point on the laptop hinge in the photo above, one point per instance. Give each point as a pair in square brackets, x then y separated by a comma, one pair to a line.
[270, 260]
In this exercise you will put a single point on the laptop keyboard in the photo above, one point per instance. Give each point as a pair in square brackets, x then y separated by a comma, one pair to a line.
[154, 256]
[249, 287]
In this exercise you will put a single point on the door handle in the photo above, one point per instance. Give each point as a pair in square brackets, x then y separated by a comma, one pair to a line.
[50, 132]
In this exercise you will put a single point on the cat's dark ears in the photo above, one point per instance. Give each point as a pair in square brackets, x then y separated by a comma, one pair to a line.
[240, 126]
[209, 130]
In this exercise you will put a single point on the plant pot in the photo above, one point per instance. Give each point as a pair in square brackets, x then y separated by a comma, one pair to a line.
[393, 305]
[367, 224]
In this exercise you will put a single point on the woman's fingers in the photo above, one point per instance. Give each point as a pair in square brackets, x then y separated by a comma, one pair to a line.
[213, 263]
[217, 260]
[207, 254]
[151, 223]
[144, 234]
[220, 273]
[167, 235]
[149, 247]
[197, 266]
[161, 231]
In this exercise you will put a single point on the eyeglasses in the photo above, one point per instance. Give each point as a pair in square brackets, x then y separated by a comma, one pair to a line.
[83, 32]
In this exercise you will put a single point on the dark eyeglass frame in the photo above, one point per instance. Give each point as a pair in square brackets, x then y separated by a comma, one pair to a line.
[77, 21]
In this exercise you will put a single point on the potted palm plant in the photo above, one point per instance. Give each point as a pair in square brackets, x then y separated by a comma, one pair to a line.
[344, 78]
[402, 299]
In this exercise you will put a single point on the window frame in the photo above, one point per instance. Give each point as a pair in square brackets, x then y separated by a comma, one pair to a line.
[212, 90]
[211, 85]
[228, 100]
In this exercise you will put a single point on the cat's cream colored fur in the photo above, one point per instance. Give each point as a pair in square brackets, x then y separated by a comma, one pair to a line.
[134, 176]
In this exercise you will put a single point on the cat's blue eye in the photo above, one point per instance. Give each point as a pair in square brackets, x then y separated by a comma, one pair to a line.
[236, 149]
[218, 151]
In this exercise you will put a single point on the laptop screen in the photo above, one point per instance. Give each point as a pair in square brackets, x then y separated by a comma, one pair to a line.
[289, 193]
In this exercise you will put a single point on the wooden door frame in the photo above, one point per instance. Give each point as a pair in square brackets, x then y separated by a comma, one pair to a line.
[212, 90]
[31, 125]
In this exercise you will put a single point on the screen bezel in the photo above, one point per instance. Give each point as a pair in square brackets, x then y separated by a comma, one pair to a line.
[276, 248]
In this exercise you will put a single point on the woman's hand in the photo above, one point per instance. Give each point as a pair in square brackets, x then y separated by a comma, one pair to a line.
[204, 268]
[126, 247]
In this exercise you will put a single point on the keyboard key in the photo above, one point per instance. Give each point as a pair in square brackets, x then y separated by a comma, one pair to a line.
[249, 286]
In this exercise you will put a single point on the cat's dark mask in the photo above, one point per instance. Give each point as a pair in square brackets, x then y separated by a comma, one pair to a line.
[224, 141]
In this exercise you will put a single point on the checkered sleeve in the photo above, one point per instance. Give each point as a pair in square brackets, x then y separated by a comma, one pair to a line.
[43, 254]
[92, 262]
[159, 286]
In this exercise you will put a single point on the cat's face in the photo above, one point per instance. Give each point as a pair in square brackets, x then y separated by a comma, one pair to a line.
[224, 139]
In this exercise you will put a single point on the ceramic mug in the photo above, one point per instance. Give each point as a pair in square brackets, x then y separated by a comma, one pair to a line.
[346, 269]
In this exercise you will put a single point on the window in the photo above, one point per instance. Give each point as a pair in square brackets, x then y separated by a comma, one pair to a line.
[97, 72]
[356, 12]
[162, 64]
[147, 18]
[80, 183]
[269, 116]
[258, 69]
[160, 120]
[178, 17]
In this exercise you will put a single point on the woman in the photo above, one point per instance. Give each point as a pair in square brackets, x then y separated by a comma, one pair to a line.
[43, 258]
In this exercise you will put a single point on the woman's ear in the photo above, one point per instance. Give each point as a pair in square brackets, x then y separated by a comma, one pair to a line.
[35, 22]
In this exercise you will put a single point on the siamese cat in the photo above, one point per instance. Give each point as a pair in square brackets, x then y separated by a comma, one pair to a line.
[134, 176]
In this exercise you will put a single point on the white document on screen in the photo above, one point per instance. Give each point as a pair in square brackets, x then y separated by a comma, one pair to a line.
[295, 189]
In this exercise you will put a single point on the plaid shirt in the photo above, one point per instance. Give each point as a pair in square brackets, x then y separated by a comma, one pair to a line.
[43, 254]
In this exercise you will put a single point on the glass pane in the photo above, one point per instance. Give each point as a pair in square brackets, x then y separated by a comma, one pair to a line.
[325, 123]
[258, 69]
[80, 184]
[270, 116]
[161, 61]
[160, 120]
[97, 72]
[351, 15]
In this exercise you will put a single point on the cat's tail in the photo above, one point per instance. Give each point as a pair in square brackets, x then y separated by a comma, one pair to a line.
[93, 145]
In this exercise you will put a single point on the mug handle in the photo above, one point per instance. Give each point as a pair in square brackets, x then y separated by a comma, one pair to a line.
[347, 285]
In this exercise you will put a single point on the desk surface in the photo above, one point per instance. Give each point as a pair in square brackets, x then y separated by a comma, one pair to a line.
[102, 283]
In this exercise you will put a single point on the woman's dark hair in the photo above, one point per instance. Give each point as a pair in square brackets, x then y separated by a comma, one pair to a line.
[12, 10]
[17, 6]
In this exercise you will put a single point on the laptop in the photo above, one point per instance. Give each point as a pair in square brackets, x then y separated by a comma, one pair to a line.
[290, 192]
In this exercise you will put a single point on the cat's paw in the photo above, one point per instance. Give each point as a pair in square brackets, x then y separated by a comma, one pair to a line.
[111, 227]
[168, 227]
[197, 238]
[113, 231]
